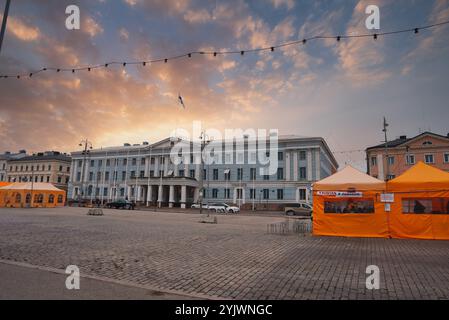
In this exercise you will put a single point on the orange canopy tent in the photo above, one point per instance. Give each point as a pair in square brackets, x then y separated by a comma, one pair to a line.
[347, 203]
[28, 194]
[2, 184]
[421, 203]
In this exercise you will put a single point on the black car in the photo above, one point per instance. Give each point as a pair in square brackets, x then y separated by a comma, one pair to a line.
[121, 204]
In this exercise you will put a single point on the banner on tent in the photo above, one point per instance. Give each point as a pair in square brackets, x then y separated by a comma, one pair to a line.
[341, 194]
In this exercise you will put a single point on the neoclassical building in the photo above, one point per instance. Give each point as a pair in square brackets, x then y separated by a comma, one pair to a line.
[146, 174]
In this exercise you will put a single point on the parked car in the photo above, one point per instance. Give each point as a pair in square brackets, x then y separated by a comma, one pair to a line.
[298, 209]
[197, 206]
[222, 207]
[121, 204]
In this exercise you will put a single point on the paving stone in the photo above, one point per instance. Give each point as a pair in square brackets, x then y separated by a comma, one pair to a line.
[232, 259]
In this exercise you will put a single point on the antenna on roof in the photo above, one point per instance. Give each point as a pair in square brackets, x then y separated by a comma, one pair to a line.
[385, 126]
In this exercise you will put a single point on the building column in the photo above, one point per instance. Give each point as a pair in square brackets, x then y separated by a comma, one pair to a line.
[171, 196]
[147, 166]
[295, 166]
[74, 169]
[159, 195]
[309, 165]
[166, 161]
[156, 166]
[287, 166]
[196, 194]
[380, 167]
[318, 165]
[183, 196]
[235, 196]
[176, 170]
[149, 194]
[186, 166]
[198, 167]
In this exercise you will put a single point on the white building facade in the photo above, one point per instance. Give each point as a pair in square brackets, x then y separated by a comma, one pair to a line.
[146, 174]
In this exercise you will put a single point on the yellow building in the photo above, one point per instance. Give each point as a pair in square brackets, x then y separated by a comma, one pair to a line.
[43, 167]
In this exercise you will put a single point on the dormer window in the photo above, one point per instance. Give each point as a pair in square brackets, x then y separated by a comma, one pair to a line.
[426, 143]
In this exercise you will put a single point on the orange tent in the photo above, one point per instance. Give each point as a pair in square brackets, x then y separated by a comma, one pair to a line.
[347, 204]
[2, 184]
[421, 203]
[28, 194]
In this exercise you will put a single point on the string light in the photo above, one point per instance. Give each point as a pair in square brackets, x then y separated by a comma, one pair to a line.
[272, 48]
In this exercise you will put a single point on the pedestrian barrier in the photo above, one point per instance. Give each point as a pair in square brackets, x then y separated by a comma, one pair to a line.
[289, 226]
[95, 212]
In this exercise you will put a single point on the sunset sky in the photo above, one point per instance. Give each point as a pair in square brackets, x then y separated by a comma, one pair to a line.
[339, 91]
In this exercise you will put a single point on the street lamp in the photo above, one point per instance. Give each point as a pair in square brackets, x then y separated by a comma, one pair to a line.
[205, 140]
[87, 146]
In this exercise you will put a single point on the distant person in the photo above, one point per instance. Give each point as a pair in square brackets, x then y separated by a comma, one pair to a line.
[419, 208]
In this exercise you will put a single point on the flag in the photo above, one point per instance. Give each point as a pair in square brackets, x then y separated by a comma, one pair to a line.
[181, 101]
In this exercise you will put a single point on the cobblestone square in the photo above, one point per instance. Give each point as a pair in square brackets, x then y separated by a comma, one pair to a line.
[234, 259]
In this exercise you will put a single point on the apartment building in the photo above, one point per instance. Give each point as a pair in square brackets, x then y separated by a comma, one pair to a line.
[50, 166]
[388, 162]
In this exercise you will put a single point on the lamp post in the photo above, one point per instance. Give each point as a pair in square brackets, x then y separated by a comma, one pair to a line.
[87, 146]
[204, 141]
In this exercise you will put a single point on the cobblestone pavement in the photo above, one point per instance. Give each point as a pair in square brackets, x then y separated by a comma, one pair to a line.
[235, 258]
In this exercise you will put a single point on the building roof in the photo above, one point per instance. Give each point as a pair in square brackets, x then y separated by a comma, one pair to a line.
[9, 155]
[403, 140]
[348, 178]
[35, 186]
[43, 157]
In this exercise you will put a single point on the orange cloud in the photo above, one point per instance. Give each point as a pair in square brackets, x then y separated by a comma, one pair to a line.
[22, 30]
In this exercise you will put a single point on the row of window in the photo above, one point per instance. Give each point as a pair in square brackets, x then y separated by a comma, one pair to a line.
[410, 159]
[37, 168]
[38, 198]
[192, 172]
[134, 161]
[37, 179]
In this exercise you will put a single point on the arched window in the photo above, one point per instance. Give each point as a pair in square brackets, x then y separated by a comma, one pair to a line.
[18, 198]
[51, 198]
[39, 198]
[28, 198]
[60, 198]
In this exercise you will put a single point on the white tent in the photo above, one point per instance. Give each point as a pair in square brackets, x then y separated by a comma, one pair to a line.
[349, 178]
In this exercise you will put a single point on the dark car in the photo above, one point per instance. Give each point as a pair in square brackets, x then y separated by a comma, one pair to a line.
[121, 204]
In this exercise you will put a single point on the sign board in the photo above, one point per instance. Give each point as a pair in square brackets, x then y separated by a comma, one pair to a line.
[387, 197]
[341, 194]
